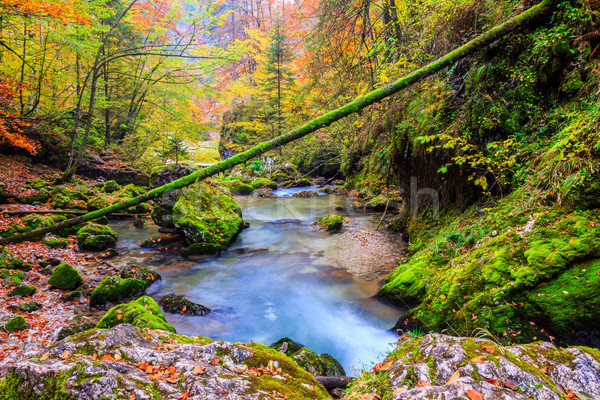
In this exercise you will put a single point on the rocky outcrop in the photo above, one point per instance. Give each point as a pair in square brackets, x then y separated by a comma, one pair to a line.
[443, 367]
[98, 168]
[127, 361]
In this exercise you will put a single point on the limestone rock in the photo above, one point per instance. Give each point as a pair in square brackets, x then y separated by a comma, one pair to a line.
[132, 361]
[444, 367]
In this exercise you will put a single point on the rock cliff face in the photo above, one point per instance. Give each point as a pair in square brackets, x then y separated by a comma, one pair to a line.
[127, 362]
[445, 367]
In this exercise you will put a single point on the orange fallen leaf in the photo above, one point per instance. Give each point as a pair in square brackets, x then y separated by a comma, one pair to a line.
[489, 349]
[198, 370]
[474, 394]
[44, 356]
[494, 382]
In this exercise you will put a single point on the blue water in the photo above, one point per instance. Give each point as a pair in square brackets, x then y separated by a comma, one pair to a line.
[292, 285]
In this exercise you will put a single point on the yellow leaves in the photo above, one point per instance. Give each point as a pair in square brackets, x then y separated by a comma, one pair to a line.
[44, 356]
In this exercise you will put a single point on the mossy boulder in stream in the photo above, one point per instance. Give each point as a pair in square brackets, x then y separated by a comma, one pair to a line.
[116, 290]
[322, 364]
[140, 273]
[330, 223]
[126, 361]
[238, 187]
[258, 183]
[96, 237]
[65, 277]
[178, 305]
[143, 313]
[208, 219]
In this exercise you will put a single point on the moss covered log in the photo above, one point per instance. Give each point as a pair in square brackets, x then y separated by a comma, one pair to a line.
[323, 121]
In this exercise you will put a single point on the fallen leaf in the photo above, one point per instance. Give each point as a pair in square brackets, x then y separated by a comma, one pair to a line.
[494, 382]
[510, 384]
[489, 349]
[474, 394]
[172, 380]
[198, 370]
[118, 357]
[423, 383]
[44, 356]
[454, 377]
[544, 370]
[215, 360]
[65, 355]
[478, 360]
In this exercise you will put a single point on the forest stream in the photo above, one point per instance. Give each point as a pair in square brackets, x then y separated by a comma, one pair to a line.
[285, 278]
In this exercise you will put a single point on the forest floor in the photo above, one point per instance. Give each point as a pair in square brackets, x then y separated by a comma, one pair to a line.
[55, 314]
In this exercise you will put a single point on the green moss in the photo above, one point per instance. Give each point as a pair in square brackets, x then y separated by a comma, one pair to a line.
[295, 389]
[141, 273]
[65, 277]
[23, 290]
[330, 222]
[258, 183]
[97, 203]
[54, 242]
[323, 364]
[15, 323]
[36, 221]
[28, 306]
[143, 313]
[111, 186]
[238, 187]
[14, 387]
[208, 217]
[13, 280]
[96, 237]
[116, 290]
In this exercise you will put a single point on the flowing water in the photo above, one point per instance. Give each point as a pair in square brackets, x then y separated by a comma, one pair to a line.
[283, 277]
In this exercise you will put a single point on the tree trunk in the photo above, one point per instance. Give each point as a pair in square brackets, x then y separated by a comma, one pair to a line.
[321, 122]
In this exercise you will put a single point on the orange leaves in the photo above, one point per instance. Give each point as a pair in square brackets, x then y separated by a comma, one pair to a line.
[378, 367]
[167, 374]
[489, 349]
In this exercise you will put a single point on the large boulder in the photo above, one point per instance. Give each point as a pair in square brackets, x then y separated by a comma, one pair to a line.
[128, 362]
[208, 218]
[143, 313]
[445, 367]
[65, 277]
[317, 364]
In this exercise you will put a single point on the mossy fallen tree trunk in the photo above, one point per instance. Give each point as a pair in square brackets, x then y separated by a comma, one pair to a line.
[323, 121]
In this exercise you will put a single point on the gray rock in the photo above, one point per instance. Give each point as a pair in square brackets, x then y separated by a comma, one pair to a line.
[445, 367]
[71, 369]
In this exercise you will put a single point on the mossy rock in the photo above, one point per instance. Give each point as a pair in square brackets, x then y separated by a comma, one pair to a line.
[259, 183]
[302, 182]
[206, 216]
[81, 293]
[55, 242]
[292, 347]
[36, 183]
[5, 273]
[8, 260]
[116, 290]
[12, 280]
[28, 306]
[96, 237]
[330, 222]
[323, 364]
[23, 290]
[164, 239]
[143, 313]
[12, 323]
[37, 221]
[39, 196]
[178, 305]
[65, 277]
[97, 203]
[239, 188]
[143, 208]
[111, 187]
[140, 273]
[131, 191]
